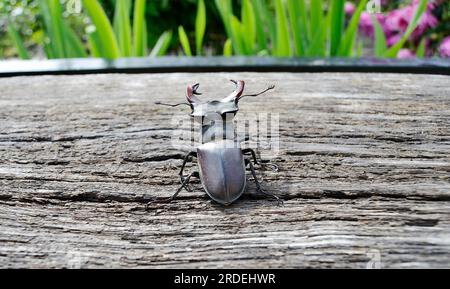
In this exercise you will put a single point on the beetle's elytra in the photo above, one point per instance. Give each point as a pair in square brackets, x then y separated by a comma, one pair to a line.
[221, 161]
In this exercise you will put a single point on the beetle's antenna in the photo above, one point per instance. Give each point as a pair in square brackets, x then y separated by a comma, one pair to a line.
[171, 105]
[258, 94]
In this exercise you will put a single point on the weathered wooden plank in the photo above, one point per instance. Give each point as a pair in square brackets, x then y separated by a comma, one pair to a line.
[364, 167]
[195, 233]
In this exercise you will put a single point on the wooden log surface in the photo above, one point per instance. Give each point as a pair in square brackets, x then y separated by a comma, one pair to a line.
[364, 166]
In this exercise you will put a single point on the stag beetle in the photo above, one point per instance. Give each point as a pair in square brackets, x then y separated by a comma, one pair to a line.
[221, 160]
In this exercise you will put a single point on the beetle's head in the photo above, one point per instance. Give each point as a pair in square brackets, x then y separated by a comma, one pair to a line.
[225, 107]
[217, 108]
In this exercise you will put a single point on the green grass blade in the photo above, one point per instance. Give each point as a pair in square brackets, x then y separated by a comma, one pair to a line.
[45, 12]
[117, 15]
[200, 26]
[359, 49]
[317, 17]
[18, 43]
[49, 45]
[393, 51]
[57, 25]
[128, 5]
[304, 21]
[380, 38]
[349, 39]
[74, 46]
[94, 44]
[236, 36]
[122, 27]
[138, 27]
[260, 25]
[184, 40]
[421, 49]
[116, 19]
[317, 45]
[248, 25]
[145, 38]
[228, 48]
[283, 46]
[104, 29]
[271, 23]
[225, 9]
[64, 40]
[267, 25]
[297, 25]
[326, 34]
[337, 25]
[48, 51]
[162, 45]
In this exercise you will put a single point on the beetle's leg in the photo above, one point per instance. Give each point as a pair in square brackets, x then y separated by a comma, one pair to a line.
[262, 163]
[260, 189]
[182, 177]
[168, 200]
[252, 152]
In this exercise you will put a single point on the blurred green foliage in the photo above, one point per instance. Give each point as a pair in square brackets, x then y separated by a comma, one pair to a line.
[189, 27]
[161, 16]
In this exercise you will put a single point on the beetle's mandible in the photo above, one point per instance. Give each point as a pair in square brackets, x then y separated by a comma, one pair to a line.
[221, 161]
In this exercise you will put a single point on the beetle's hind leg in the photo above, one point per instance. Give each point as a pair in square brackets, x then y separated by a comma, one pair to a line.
[262, 163]
[260, 189]
[168, 200]
[182, 176]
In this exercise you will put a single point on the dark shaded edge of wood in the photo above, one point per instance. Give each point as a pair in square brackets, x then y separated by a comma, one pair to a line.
[170, 64]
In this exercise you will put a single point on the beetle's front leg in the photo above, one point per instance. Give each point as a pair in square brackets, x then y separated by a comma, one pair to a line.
[170, 199]
[182, 177]
[262, 163]
[260, 189]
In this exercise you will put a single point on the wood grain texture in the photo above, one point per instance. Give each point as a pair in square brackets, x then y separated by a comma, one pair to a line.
[364, 170]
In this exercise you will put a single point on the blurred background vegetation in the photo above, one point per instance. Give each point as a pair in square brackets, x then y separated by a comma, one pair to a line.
[305, 28]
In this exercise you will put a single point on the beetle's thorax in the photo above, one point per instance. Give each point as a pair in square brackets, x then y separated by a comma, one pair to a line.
[216, 119]
[220, 128]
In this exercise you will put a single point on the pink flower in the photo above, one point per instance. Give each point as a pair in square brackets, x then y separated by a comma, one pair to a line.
[393, 39]
[444, 49]
[349, 8]
[427, 21]
[430, 6]
[405, 54]
[398, 20]
[366, 26]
